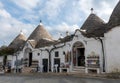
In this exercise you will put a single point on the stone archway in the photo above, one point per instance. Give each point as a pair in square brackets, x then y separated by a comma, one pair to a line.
[78, 50]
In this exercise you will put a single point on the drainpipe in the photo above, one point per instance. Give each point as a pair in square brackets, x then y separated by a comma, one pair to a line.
[103, 53]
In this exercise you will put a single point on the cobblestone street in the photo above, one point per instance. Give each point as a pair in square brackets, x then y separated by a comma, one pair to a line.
[52, 79]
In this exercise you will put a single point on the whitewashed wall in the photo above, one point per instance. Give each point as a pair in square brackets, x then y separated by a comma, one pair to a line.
[95, 46]
[91, 45]
[43, 55]
[1, 58]
[61, 56]
[112, 42]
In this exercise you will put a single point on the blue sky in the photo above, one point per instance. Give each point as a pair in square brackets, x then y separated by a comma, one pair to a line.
[58, 16]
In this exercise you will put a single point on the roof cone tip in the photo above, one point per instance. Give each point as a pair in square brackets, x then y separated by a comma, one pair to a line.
[92, 10]
[21, 32]
[40, 22]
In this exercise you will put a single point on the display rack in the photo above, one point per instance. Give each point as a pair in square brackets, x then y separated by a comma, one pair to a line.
[93, 63]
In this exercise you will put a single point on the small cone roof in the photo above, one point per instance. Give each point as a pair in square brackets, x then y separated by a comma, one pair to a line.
[40, 33]
[115, 17]
[18, 42]
[92, 24]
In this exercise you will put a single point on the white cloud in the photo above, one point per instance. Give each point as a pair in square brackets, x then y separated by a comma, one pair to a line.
[4, 13]
[10, 30]
[75, 11]
[85, 6]
[27, 4]
[65, 27]
[78, 10]
[74, 16]
[102, 8]
[52, 8]
[105, 9]
[10, 26]
[62, 28]
[29, 17]
[1, 5]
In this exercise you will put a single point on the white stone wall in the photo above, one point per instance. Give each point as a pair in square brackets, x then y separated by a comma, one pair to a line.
[35, 55]
[13, 62]
[95, 46]
[1, 58]
[112, 42]
[61, 56]
[43, 55]
[91, 45]
[65, 49]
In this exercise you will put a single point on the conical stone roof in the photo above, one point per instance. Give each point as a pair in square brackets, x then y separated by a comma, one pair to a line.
[18, 42]
[40, 33]
[115, 17]
[92, 24]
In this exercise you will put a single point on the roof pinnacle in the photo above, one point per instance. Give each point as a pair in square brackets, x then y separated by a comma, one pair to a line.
[21, 32]
[92, 10]
[40, 22]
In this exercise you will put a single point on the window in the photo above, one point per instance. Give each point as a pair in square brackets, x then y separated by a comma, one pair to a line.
[63, 52]
[38, 54]
[56, 54]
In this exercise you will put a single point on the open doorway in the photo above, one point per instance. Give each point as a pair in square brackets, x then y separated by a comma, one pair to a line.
[78, 54]
[30, 59]
[27, 59]
[57, 61]
[80, 57]
[45, 65]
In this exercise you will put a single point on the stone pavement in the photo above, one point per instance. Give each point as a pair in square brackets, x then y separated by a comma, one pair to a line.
[52, 78]
[58, 74]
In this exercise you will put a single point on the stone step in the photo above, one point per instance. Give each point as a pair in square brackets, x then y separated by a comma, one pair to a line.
[34, 62]
[34, 66]
[79, 69]
[28, 70]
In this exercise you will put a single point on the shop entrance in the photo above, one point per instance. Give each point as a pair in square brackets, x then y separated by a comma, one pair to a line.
[45, 65]
[78, 54]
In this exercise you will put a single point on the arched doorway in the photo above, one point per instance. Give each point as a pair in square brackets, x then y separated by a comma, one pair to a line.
[28, 57]
[78, 54]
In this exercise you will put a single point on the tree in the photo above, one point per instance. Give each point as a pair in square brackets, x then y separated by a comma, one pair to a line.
[6, 51]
